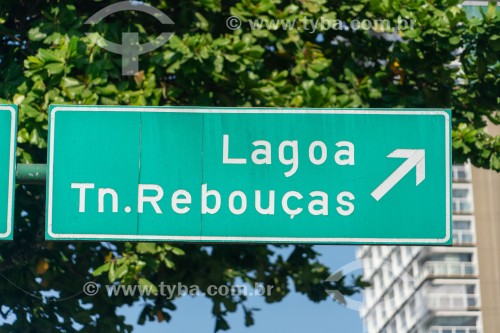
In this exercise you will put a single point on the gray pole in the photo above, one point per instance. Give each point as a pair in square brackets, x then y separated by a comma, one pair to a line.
[31, 174]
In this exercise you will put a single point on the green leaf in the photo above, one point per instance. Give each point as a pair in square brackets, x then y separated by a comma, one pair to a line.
[36, 35]
[121, 271]
[23, 135]
[34, 137]
[54, 69]
[454, 40]
[145, 283]
[107, 90]
[494, 41]
[146, 248]
[48, 56]
[177, 251]
[492, 10]
[68, 82]
[111, 272]
[101, 269]
[169, 263]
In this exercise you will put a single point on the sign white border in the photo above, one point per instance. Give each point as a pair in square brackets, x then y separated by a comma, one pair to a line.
[12, 162]
[252, 239]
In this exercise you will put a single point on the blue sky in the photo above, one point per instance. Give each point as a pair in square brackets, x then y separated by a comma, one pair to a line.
[293, 315]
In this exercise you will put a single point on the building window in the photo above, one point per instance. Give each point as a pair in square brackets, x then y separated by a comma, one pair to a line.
[461, 225]
[393, 327]
[372, 321]
[391, 301]
[368, 254]
[399, 259]
[383, 312]
[376, 282]
[388, 271]
[400, 289]
[381, 276]
[402, 319]
[412, 308]
[462, 198]
[408, 251]
[461, 173]
[463, 230]
[378, 252]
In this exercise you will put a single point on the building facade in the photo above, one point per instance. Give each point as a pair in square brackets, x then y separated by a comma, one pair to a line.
[421, 289]
[486, 186]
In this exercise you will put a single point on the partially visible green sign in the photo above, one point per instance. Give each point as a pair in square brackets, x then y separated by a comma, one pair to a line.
[249, 175]
[8, 136]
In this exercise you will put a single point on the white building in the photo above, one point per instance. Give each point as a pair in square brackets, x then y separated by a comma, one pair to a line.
[421, 289]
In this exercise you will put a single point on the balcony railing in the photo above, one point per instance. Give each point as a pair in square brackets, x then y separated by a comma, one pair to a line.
[444, 268]
[452, 301]
[455, 329]
[462, 205]
[461, 173]
[464, 237]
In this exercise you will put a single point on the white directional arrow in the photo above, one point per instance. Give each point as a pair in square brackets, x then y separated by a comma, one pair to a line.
[414, 158]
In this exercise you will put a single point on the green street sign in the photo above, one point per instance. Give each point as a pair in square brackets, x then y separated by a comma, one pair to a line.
[249, 175]
[8, 136]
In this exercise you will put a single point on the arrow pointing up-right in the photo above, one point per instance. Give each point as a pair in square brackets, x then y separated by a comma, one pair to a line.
[414, 158]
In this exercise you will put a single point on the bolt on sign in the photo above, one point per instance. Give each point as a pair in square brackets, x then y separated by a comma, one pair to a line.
[8, 136]
[357, 176]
